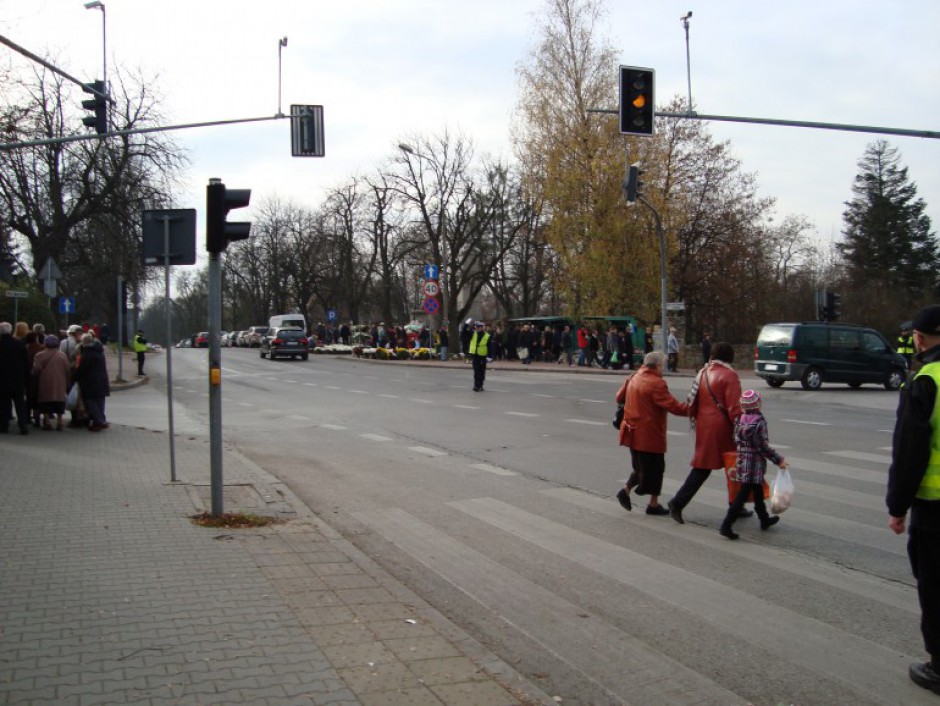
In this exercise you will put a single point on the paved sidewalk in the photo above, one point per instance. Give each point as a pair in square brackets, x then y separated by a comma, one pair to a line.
[110, 595]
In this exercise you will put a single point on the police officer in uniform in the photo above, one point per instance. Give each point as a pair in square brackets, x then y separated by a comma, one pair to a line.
[906, 343]
[140, 348]
[478, 349]
[914, 484]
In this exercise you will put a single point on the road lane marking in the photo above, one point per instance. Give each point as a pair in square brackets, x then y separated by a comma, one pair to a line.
[245, 404]
[464, 406]
[299, 417]
[332, 387]
[838, 470]
[864, 666]
[522, 414]
[391, 397]
[361, 392]
[311, 384]
[292, 382]
[861, 456]
[595, 401]
[550, 397]
[587, 421]
[415, 399]
[496, 470]
[334, 427]
[428, 452]
[803, 421]
[375, 437]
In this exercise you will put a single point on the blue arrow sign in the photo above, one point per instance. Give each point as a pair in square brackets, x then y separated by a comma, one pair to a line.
[66, 305]
[430, 272]
[331, 314]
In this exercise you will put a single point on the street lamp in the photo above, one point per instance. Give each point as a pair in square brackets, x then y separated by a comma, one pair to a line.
[281, 43]
[98, 5]
[408, 149]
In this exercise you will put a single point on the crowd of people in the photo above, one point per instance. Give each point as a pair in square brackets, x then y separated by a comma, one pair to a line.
[43, 375]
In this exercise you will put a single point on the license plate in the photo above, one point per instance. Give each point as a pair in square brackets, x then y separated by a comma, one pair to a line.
[292, 343]
[771, 367]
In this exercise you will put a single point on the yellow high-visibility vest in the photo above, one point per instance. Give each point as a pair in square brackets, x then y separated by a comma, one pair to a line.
[478, 343]
[930, 485]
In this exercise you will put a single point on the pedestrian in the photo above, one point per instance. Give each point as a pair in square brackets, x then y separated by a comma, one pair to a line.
[70, 343]
[594, 348]
[14, 378]
[140, 348]
[584, 346]
[648, 341]
[444, 340]
[628, 347]
[478, 349]
[51, 369]
[91, 376]
[20, 330]
[754, 450]
[914, 484]
[647, 401]
[714, 406]
[906, 343]
[526, 344]
[344, 334]
[672, 350]
[614, 349]
[35, 342]
[706, 347]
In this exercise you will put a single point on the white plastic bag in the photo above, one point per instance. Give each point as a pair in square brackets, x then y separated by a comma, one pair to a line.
[782, 493]
[71, 401]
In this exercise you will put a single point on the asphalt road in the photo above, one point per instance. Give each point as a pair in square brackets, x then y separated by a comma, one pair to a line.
[498, 509]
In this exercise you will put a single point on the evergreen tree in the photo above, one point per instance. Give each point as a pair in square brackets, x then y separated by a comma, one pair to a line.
[888, 242]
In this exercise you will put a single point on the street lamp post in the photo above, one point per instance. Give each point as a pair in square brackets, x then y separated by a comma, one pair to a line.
[281, 43]
[98, 5]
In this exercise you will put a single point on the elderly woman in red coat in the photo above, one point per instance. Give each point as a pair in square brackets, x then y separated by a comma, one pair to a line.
[714, 405]
[647, 402]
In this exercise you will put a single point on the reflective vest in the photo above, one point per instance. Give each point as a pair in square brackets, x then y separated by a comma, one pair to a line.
[906, 345]
[930, 485]
[478, 343]
[139, 347]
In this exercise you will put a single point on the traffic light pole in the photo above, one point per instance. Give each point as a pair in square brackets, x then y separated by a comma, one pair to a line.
[215, 381]
[661, 232]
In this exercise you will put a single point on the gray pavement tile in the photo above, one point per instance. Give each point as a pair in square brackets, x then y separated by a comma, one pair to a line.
[399, 628]
[447, 670]
[364, 654]
[385, 611]
[421, 647]
[474, 694]
[413, 697]
[387, 676]
[354, 596]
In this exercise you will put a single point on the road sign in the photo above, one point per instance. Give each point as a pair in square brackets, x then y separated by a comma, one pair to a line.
[430, 306]
[50, 270]
[331, 314]
[66, 305]
[431, 288]
[181, 223]
[306, 131]
[17, 295]
[430, 272]
[675, 306]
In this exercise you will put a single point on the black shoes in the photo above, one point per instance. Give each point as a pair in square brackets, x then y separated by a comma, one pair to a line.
[727, 532]
[769, 522]
[656, 510]
[923, 674]
[624, 499]
[674, 512]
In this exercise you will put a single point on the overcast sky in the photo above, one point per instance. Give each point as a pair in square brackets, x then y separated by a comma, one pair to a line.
[389, 70]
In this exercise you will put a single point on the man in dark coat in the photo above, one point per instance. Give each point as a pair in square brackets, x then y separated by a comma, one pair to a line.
[91, 375]
[14, 374]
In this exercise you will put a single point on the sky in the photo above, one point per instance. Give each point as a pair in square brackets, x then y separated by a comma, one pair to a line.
[390, 72]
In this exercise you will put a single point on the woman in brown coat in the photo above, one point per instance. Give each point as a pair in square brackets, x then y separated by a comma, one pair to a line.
[647, 401]
[714, 405]
[51, 369]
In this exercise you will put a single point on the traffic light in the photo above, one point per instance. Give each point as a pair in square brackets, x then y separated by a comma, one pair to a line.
[97, 105]
[833, 306]
[219, 201]
[636, 100]
[632, 186]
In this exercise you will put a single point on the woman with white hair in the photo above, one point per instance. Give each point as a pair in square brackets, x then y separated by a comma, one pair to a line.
[647, 402]
[51, 370]
[91, 376]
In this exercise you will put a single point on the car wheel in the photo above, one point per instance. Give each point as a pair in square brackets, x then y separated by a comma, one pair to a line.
[775, 382]
[895, 380]
[812, 379]
[855, 385]
[262, 353]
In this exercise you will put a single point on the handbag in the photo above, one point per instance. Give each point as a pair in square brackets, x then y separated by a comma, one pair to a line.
[783, 492]
[618, 416]
[71, 400]
[731, 475]
[522, 352]
[615, 357]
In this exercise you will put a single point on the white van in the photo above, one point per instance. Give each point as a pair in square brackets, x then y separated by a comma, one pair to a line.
[288, 320]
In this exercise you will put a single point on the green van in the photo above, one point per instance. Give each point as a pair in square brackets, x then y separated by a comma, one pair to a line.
[815, 352]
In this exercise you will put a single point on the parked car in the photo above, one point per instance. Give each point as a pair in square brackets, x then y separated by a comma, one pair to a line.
[288, 341]
[185, 343]
[202, 339]
[815, 352]
[241, 339]
[255, 334]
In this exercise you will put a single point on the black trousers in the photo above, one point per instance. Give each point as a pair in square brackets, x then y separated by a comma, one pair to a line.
[479, 371]
[748, 490]
[13, 399]
[695, 480]
[648, 471]
[140, 362]
[923, 549]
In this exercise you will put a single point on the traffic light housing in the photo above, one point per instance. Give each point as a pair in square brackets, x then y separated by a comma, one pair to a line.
[633, 186]
[833, 306]
[98, 105]
[637, 101]
[219, 201]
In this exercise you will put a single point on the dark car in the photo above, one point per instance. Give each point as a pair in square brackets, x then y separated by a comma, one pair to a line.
[815, 352]
[202, 339]
[289, 341]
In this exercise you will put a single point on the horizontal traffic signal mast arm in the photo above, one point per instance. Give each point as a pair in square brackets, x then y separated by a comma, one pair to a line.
[930, 134]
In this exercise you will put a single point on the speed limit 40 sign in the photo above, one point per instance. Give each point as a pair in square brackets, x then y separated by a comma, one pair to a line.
[431, 288]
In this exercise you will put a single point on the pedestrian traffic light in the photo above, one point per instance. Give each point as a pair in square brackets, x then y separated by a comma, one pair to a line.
[633, 186]
[833, 306]
[97, 105]
[219, 201]
[636, 100]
